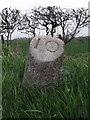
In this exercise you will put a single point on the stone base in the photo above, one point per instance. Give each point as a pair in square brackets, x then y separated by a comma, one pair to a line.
[44, 72]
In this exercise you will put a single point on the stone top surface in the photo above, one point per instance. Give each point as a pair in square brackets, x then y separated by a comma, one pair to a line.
[46, 48]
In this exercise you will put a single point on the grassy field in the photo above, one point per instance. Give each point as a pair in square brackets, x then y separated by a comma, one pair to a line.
[67, 100]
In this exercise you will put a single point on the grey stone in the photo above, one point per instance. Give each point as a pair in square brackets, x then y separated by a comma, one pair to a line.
[44, 61]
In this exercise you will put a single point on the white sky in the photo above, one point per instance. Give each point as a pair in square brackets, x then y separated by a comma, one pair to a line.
[29, 4]
[26, 5]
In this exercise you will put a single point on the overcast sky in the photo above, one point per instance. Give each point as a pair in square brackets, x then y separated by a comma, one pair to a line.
[26, 5]
[29, 4]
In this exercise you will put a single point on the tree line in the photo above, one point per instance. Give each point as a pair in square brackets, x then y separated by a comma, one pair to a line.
[68, 22]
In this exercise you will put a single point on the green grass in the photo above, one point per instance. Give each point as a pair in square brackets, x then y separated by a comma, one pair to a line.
[76, 47]
[67, 100]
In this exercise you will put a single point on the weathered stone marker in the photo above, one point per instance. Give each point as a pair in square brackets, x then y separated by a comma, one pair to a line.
[44, 61]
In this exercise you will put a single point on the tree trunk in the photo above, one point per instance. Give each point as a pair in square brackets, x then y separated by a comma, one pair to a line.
[10, 38]
[47, 32]
[52, 32]
[2, 38]
[7, 40]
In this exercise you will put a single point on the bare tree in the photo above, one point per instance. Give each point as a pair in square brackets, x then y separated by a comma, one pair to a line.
[28, 25]
[9, 22]
[47, 18]
[72, 22]
[2, 30]
[39, 16]
[1, 35]
[69, 21]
